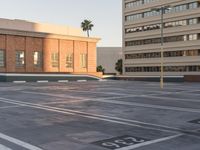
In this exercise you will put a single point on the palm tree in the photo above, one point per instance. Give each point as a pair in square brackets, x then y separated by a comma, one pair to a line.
[87, 25]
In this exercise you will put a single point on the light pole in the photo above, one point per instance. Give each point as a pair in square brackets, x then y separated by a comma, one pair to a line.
[162, 12]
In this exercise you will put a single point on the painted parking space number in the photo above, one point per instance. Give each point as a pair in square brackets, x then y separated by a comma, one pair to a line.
[120, 142]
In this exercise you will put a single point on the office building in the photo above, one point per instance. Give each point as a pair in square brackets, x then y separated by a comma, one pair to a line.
[142, 37]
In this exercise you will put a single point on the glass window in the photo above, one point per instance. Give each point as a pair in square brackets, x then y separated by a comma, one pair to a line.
[69, 61]
[134, 4]
[20, 59]
[166, 69]
[83, 60]
[37, 58]
[54, 60]
[193, 5]
[185, 38]
[2, 58]
[193, 21]
[193, 37]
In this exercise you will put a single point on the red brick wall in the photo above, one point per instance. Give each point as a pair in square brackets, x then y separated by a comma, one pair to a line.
[32, 45]
[63, 47]
[14, 43]
[66, 47]
[192, 78]
[92, 58]
[79, 48]
[50, 46]
[2, 46]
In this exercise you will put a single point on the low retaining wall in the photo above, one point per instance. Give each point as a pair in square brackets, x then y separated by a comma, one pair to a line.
[10, 77]
[150, 79]
[192, 78]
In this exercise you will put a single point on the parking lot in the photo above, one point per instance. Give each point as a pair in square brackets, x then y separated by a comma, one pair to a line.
[99, 115]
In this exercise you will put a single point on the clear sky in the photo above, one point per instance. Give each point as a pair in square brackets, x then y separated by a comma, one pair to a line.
[105, 14]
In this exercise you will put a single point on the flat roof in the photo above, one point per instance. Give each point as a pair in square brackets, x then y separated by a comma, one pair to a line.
[23, 25]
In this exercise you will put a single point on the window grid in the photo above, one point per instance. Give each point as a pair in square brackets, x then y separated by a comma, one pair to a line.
[166, 54]
[83, 60]
[194, 68]
[69, 61]
[54, 60]
[2, 58]
[19, 58]
[166, 25]
[166, 40]
[37, 56]
[175, 9]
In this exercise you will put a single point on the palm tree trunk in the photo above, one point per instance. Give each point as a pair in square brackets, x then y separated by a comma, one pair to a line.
[88, 34]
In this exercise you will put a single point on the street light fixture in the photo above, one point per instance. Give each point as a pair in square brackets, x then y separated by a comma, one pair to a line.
[162, 11]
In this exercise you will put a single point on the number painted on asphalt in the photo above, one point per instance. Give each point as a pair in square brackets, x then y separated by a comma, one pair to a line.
[135, 140]
[110, 144]
[123, 142]
[120, 142]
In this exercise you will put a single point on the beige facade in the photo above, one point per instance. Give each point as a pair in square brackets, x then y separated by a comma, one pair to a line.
[23, 25]
[141, 37]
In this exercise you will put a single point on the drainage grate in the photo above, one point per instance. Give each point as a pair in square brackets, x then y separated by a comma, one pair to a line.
[120, 142]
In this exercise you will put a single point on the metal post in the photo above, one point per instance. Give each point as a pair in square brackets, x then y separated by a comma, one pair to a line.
[161, 51]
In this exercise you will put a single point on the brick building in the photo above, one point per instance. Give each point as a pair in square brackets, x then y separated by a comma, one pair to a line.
[27, 47]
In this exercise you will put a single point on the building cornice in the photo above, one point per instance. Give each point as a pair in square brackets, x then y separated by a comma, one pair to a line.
[47, 35]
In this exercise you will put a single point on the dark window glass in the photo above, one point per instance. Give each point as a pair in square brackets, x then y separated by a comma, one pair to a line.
[2, 58]
[20, 59]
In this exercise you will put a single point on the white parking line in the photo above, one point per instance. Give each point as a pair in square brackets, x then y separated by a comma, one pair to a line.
[63, 81]
[19, 81]
[102, 80]
[117, 120]
[5, 107]
[111, 101]
[155, 92]
[59, 95]
[151, 106]
[2, 147]
[65, 102]
[81, 98]
[18, 142]
[171, 98]
[95, 92]
[150, 142]
[43, 81]
[81, 80]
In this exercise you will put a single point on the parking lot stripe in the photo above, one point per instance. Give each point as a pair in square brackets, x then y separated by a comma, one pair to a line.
[18, 142]
[43, 81]
[19, 81]
[150, 142]
[81, 80]
[63, 81]
[2, 147]
[5, 107]
[96, 92]
[96, 116]
[76, 97]
[109, 100]
[150, 106]
[171, 98]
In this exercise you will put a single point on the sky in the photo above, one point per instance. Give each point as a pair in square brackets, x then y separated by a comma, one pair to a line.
[106, 15]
